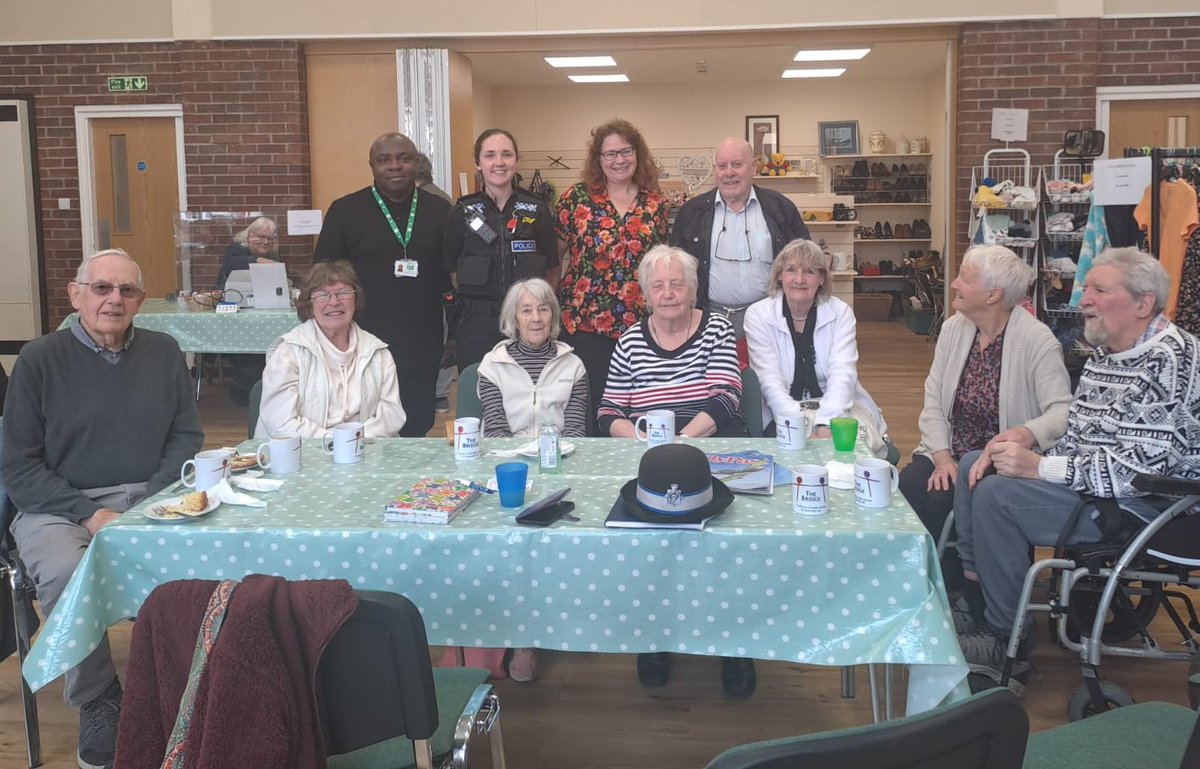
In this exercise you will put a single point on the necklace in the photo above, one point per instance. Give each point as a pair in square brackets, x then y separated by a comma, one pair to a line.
[662, 337]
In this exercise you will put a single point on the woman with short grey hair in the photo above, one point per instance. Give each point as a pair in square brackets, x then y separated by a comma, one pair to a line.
[997, 374]
[531, 377]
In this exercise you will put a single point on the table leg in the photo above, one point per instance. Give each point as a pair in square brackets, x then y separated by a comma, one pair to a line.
[199, 373]
[847, 682]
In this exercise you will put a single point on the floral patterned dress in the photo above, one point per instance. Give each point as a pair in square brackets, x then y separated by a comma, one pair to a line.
[598, 291]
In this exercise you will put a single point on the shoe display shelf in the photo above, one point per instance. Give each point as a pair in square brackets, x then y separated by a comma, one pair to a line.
[895, 188]
[1063, 200]
[1010, 219]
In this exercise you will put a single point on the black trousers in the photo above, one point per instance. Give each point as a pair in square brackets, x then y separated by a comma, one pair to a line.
[595, 351]
[418, 391]
[932, 507]
[475, 336]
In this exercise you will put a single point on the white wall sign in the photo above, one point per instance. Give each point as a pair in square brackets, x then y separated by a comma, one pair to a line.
[1120, 182]
[305, 222]
[1010, 125]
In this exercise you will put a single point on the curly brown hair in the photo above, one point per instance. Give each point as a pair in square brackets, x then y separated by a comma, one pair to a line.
[645, 176]
[323, 274]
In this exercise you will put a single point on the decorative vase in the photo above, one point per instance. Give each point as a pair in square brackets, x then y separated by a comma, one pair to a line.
[902, 145]
[877, 142]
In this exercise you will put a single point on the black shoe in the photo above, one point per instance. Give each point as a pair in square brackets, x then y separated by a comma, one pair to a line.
[98, 721]
[737, 676]
[654, 669]
[887, 229]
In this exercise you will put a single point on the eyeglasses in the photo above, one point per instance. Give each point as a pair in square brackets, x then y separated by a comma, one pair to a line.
[101, 288]
[264, 238]
[611, 155]
[325, 296]
[732, 251]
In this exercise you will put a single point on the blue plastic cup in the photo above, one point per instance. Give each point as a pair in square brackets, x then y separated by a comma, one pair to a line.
[510, 480]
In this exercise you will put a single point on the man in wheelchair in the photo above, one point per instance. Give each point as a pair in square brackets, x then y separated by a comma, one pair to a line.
[1135, 411]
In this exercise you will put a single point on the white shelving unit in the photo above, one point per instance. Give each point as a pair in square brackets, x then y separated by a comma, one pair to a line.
[1012, 165]
[895, 189]
[1055, 285]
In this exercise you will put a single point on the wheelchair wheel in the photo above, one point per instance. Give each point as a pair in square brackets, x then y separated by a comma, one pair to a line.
[1081, 707]
[1122, 624]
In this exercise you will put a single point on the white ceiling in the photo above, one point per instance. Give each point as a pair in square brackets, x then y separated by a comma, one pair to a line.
[896, 61]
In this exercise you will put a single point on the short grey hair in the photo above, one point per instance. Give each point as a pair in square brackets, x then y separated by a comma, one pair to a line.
[804, 253]
[81, 273]
[1143, 274]
[542, 293]
[1001, 269]
[663, 255]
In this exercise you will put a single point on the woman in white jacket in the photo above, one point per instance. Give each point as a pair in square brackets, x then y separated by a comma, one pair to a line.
[804, 350]
[327, 370]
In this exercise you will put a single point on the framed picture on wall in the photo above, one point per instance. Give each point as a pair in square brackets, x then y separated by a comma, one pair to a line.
[762, 131]
[838, 137]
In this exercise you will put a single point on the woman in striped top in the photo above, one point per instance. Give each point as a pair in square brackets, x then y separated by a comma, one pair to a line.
[678, 358]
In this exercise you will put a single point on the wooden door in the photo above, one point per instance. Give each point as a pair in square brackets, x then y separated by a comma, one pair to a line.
[137, 194]
[1153, 123]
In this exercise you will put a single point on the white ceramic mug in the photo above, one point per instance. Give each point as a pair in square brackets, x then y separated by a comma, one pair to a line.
[346, 442]
[466, 439]
[875, 480]
[791, 430]
[280, 456]
[810, 490]
[208, 468]
[656, 428]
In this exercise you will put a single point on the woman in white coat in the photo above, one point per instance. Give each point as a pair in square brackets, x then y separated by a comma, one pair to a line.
[804, 350]
[327, 370]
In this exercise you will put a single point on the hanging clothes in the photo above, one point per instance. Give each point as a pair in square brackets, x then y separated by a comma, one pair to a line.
[1177, 218]
[1123, 229]
[1095, 240]
[1187, 313]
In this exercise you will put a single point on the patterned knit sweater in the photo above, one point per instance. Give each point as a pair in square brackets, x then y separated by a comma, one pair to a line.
[1135, 411]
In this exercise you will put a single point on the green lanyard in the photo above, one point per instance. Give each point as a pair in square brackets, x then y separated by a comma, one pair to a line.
[412, 217]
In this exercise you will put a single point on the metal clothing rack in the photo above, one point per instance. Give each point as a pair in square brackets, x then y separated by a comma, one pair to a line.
[1157, 156]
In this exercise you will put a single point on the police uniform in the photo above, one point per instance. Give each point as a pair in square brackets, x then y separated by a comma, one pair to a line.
[489, 250]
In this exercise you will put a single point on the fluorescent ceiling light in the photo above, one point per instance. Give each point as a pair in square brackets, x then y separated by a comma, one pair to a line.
[790, 73]
[599, 78]
[558, 62]
[832, 54]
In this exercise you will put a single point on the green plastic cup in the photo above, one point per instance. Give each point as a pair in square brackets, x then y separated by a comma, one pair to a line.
[845, 432]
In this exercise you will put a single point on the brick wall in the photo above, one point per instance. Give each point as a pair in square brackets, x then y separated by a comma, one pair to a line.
[245, 130]
[1053, 68]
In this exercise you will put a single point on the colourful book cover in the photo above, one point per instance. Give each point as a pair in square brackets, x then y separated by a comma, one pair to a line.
[744, 472]
[434, 500]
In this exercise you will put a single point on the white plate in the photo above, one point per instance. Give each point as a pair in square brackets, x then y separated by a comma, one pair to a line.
[157, 511]
[531, 449]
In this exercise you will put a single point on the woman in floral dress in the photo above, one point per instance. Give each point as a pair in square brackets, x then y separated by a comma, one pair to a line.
[605, 223]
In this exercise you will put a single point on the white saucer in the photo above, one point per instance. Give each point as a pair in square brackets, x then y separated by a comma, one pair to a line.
[158, 511]
[531, 449]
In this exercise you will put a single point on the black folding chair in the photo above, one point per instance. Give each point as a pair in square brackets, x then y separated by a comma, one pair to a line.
[381, 702]
[18, 620]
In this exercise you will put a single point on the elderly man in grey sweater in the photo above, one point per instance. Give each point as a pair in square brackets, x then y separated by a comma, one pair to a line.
[97, 417]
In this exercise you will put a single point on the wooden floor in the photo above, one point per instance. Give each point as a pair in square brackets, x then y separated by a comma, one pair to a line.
[587, 711]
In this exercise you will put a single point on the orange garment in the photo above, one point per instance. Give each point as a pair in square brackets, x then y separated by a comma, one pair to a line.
[1177, 217]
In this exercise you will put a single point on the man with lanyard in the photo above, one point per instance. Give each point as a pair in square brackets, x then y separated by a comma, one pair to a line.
[735, 231]
[392, 235]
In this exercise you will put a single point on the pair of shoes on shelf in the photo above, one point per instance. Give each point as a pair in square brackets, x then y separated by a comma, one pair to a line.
[653, 669]
[522, 665]
[441, 406]
[985, 650]
[880, 170]
[903, 231]
[860, 170]
[921, 229]
[738, 677]
[98, 722]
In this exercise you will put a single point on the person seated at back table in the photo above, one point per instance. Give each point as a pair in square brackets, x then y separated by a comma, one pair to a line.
[1136, 410]
[682, 359]
[532, 376]
[328, 370]
[804, 348]
[258, 244]
[997, 375]
[98, 416]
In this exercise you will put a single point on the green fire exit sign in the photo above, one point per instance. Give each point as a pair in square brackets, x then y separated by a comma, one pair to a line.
[122, 84]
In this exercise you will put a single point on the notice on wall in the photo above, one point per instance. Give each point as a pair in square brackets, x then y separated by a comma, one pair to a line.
[1120, 182]
[304, 222]
[1010, 125]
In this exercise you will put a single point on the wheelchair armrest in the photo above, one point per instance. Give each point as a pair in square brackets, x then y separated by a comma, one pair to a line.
[1166, 484]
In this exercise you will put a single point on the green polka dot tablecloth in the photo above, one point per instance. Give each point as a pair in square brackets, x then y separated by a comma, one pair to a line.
[852, 587]
[202, 330]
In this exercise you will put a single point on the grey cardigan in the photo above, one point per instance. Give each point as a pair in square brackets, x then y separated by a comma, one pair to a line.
[1035, 390]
